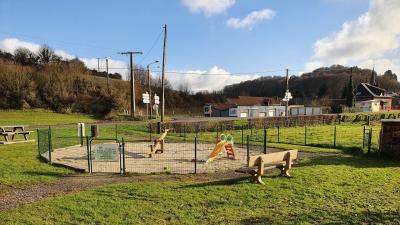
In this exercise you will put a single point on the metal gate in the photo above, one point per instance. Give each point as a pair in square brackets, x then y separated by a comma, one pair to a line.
[105, 156]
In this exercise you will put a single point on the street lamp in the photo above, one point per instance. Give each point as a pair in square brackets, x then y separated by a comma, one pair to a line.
[148, 82]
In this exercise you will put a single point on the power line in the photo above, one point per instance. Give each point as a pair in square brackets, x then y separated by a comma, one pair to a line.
[216, 74]
[152, 47]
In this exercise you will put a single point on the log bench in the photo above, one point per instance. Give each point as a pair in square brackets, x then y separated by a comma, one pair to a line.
[259, 163]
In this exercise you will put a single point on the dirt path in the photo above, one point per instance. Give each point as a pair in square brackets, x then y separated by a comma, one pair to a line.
[80, 182]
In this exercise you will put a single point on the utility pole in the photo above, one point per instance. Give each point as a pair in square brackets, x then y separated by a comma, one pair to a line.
[98, 64]
[287, 90]
[108, 76]
[148, 82]
[132, 73]
[163, 75]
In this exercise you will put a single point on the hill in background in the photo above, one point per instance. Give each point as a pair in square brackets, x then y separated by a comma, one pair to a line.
[322, 83]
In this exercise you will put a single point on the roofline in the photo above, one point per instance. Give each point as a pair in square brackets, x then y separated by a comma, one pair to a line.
[365, 86]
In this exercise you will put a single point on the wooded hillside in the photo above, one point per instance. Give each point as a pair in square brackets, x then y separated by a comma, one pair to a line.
[44, 80]
[323, 83]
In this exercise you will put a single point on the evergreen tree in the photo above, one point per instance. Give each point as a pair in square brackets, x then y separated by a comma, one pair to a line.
[372, 80]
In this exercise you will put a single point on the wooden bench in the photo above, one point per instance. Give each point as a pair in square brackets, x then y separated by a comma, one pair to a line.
[7, 131]
[259, 163]
[158, 146]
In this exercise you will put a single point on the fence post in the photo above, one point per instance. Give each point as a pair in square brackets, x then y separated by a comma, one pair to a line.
[81, 133]
[242, 136]
[184, 133]
[305, 135]
[50, 144]
[195, 155]
[334, 136]
[369, 140]
[38, 141]
[251, 131]
[278, 134]
[248, 149]
[123, 157]
[116, 131]
[88, 153]
[265, 140]
[363, 146]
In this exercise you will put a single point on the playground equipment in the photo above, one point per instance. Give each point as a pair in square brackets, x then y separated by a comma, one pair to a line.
[158, 146]
[225, 142]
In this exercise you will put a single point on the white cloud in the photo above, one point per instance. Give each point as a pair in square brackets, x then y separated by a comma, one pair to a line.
[64, 54]
[11, 44]
[375, 35]
[250, 20]
[211, 80]
[381, 65]
[116, 66]
[208, 7]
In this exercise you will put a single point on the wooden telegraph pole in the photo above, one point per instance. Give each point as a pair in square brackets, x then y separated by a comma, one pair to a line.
[287, 89]
[132, 73]
[108, 76]
[163, 75]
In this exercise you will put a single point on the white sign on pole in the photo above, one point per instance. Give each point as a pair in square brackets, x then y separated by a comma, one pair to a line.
[146, 98]
[288, 96]
[156, 100]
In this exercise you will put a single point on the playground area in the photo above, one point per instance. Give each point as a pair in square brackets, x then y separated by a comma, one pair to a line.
[178, 158]
[186, 148]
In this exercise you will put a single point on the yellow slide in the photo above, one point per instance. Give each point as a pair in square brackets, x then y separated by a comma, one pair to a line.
[217, 150]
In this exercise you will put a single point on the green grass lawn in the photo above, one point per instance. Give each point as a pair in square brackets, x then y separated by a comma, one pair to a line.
[327, 190]
[20, 167]
[36, 117]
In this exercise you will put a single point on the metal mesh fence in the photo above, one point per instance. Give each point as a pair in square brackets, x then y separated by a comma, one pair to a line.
[43, 140]
[188, 148]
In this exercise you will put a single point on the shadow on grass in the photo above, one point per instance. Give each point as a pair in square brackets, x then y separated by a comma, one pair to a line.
[334, 217]
[354, 161]
[226, 182]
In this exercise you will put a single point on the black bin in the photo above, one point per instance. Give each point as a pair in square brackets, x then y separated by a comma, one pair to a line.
[94, 129]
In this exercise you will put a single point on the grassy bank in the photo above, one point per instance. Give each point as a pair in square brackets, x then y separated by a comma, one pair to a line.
[20, 167]
[41, 117]
[328, 190]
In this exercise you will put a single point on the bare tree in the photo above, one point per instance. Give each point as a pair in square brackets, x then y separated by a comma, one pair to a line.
[25, 57]
[46, 55]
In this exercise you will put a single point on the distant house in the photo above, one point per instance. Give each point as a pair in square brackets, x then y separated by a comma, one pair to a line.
[371, 98]
[248, 106]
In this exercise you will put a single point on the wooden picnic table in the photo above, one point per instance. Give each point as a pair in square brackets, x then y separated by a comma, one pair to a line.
[12, 131]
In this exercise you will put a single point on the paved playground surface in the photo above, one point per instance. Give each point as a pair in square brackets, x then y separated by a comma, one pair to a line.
[177, 158]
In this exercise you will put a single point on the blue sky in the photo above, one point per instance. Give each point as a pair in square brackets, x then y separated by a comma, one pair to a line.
[199, 37]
